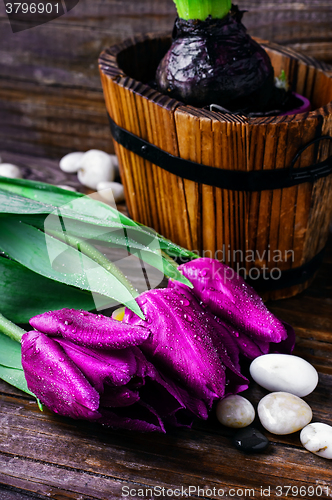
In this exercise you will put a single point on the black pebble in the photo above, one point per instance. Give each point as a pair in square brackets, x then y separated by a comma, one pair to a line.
[250, 440]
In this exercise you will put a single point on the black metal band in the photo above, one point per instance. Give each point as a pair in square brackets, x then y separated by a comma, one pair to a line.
[277, 280]
[235, 180]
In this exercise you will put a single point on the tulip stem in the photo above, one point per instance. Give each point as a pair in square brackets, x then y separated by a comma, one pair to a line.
[98, 257]
[10, 329]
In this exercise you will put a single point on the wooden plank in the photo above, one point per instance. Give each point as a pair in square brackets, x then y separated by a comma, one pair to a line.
[48, 122]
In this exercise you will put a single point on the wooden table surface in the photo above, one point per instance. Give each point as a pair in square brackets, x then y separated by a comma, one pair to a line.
[46, 456]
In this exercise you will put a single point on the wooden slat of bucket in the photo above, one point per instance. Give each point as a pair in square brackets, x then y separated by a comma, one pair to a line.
[167, 210]
[321, 202]
[218, 138]
[293, 204]
[270, 211]
[162, 130]
[208, 192]
[220, 127]
[288, 198]
[153, 201]
[239, 197]
[137, 178]
[322, 92]
[231, 154]
[277, 193]
[288, 208]
[304, 191]
[309, 85]
[187, 130]
[221, 210]
[265, 204]
[302, 71]
[154, 186]
[256, 147]
[232, 194]
[111, 93]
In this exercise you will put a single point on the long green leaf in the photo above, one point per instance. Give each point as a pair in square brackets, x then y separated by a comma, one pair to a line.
[148, 250]
[24, 294]
[15, 377]
[10, 352]
[48, 194]
[85, 210]
[14, 204]
[37, 251]
[10, 364]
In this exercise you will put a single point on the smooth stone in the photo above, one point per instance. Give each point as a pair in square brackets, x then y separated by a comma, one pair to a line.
[235, 411]
[284, 372]
[283, 413]
[317, 438]
[250, 440]
[67, 188]
[70, 162]
[10, 170]
[94, 167]
[111, 191]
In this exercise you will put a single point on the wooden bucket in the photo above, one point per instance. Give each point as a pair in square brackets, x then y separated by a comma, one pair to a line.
[275, 235]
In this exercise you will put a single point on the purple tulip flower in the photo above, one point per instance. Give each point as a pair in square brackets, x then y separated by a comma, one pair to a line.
[230, 298]
[169, 368]
[110, 384]
[189, 345]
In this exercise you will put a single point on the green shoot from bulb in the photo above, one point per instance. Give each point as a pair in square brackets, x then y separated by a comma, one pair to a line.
[201, 9]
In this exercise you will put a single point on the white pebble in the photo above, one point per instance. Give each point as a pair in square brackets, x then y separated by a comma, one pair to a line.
[317, 438]
[68, 188]
[70, 162]
[9, 170]
[94, 167]
[283, 413]
[284, 372]
[111, 191]
[235, 411]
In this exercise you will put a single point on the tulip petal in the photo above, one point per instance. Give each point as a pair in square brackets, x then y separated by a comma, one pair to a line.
[55, 380]
[193, 407]
[285, 346]
[247, 346]
[226, 347]
[228, 296]
[99, 366]
[90, 330]
[118, 397]
[180, 345]
[137, 417]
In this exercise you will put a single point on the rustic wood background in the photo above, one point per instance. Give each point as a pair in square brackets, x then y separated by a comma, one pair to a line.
[51, 101]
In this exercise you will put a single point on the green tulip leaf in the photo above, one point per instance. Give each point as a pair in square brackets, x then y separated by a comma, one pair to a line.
[57, 261]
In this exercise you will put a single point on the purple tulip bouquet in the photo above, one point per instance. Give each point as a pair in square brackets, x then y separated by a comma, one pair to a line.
[165, 366]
